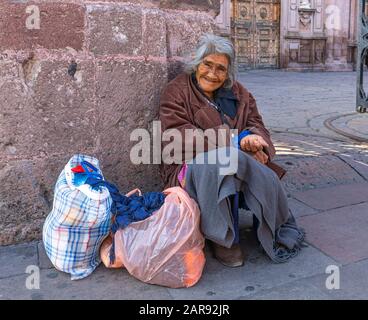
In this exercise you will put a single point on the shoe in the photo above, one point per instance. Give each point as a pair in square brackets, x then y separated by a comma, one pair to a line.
[230, 257]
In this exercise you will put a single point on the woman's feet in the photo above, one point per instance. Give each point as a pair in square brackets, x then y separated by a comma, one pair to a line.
[230, 257]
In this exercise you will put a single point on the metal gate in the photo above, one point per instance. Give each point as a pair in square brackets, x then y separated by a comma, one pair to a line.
[256, 33]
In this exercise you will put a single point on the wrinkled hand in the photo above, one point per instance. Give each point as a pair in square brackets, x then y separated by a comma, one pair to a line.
[253, 143]
[260, 156]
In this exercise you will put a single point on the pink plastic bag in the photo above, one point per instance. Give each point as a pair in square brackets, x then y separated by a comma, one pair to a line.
[166, 248]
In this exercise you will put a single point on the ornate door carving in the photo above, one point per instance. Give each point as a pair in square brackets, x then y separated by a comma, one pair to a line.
[256, 33]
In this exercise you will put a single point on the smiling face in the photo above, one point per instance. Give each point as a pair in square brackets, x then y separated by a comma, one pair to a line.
[212, 73]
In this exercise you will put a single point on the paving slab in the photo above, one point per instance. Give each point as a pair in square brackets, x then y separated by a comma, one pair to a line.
[43, 260]
[299, 209]
[357, 161]
[101, 285]
[352, 280]
[308, 173]
[334, 197]
[303, 289]
[340, 233]
[15, 259]
[258, 273]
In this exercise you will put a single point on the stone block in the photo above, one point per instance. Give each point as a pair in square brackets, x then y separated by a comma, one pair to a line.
[48, 109]
[128, 98]
[22, 202]
[115, 30]
[144, 3]
[132, 31]
[60, 25]
[203, 5]
[26, 194]
[212, 6]
[65, 101]
[154, 34]
[16, 111]
[184, 31]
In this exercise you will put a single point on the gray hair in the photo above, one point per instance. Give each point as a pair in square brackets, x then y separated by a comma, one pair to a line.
[212, 44]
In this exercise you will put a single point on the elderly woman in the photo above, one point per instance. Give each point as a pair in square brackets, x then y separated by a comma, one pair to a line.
[206, 97]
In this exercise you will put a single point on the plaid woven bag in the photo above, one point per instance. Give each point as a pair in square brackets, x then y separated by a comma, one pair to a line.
[78, 223]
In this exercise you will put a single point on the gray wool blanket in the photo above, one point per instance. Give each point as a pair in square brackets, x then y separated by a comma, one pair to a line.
[215, 175]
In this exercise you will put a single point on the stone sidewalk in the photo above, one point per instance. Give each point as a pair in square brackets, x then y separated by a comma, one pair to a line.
[327, 186]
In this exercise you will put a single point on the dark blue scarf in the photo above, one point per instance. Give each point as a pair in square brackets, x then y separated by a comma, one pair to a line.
[224, 98]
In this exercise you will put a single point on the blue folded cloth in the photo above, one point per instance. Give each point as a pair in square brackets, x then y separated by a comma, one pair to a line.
[125, 209]
[128, 209]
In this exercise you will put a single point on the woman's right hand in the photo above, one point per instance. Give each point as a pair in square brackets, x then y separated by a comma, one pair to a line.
[253, 143]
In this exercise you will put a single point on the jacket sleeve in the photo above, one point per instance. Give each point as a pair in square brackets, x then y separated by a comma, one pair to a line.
[255, 124]
[175, 120]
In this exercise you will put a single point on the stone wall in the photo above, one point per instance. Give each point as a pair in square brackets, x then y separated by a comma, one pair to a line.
[80, 83]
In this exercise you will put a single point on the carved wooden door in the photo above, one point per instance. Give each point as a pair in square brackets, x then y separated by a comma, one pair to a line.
[256, 33]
